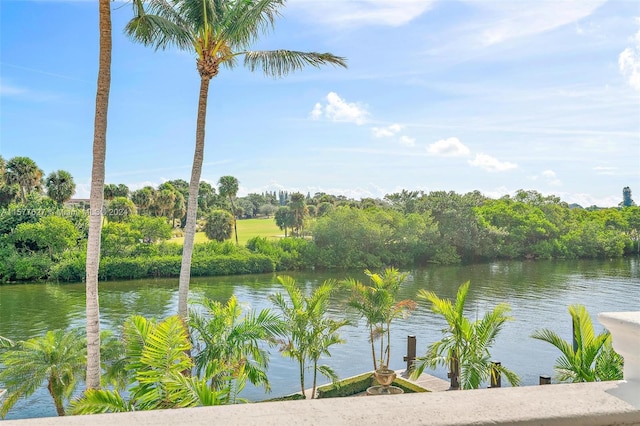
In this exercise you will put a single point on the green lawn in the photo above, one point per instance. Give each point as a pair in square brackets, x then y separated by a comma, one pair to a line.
[247, 229]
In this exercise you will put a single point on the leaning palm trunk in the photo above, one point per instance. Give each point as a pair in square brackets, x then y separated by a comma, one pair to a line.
[96, 198]
[57, 400]
[192, 203]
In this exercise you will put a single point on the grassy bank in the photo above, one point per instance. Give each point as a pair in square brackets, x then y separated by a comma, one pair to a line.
[247, 229]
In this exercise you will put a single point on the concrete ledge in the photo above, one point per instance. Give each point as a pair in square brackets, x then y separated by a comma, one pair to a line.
[581, 404]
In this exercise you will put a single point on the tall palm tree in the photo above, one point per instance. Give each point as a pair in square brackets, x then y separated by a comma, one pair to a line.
[25, 173]
[60, 186]
[588, 358]
[309, 331]
[228, 187]
[465, 345]
[97, 196]
[218, 32]
[232, 351]
[57, 358]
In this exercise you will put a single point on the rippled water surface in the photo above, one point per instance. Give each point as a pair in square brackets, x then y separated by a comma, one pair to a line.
[538, 292]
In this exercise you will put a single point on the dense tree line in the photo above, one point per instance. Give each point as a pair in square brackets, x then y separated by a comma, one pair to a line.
[43, 236]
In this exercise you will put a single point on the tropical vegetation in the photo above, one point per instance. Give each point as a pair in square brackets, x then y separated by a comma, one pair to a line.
[37, 241]
[465, 345]
[309, 332]
[57, 358]
[377, 303]
[155, 359]
[589, 357]
[229, 346]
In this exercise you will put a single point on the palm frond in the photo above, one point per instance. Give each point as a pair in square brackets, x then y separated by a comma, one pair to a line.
[245, 21]
[100, 401]
[155, 23]
[279, 63]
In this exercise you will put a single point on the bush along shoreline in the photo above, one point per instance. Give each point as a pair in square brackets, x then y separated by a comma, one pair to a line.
[40, 240]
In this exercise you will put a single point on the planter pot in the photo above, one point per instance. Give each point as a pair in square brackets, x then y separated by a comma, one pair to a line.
[384, 376]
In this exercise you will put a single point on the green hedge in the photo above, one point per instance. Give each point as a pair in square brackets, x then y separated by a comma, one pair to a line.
[115, 268]
[346, 387]
[357, 384]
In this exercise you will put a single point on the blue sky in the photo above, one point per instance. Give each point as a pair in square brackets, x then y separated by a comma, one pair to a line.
[448, 95]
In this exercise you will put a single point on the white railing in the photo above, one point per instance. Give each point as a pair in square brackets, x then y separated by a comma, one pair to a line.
[625, 334]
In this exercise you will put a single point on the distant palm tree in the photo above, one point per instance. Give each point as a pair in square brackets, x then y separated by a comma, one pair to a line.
[299, 211]
[143, 198]
[228, 187]
[218, 225]
[591, 359]
[60, 186]
[465, 345]
[218, 32]
[310, 333]
[57, 358]
[232, 349]
[96, 196]
[25, 173]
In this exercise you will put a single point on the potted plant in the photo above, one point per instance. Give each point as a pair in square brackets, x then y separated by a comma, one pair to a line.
[376, 303]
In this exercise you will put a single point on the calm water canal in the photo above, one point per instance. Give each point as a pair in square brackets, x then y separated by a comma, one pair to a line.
[538, 292]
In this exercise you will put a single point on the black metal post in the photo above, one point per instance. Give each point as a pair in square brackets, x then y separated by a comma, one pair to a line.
[545, 380]
[411, 352]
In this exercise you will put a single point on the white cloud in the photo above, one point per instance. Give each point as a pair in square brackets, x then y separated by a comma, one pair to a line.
[407, 141]
[491, 164]
[510, 19]
[351, 13]
[316, 113]
[551, 178]
[339, 110]
[451, 147]
[629, 62]
[386, 132]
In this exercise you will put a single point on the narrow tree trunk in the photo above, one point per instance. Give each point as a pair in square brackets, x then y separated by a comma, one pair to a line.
[235, 219]
[301, 366]
[97, 198]
[373, 348]
[192, 203]
[388, 343]
[57, 401]
[455, 372]
[315, 377]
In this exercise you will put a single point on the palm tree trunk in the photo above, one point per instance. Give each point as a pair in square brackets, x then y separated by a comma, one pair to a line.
[57, 401]
[192, 203]
[301, 366]
[96, 198]
[315, 376]
[388, 343]
[373, 348]
[235, 219]
[455, 371]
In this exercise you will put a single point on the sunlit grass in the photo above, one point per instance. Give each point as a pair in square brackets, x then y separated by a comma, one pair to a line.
[247, 229]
